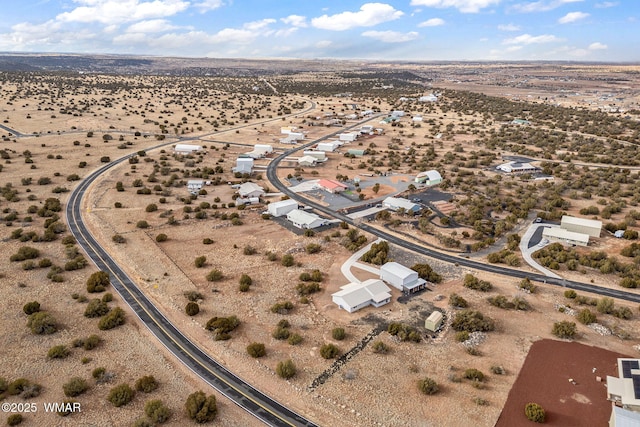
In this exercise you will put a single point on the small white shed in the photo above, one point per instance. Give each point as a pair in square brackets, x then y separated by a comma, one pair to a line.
[434, 321]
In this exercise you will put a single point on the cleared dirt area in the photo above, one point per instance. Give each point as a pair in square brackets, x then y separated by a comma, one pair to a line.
[562, 377]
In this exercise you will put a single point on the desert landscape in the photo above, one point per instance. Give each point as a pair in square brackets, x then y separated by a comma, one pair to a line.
[254, 291]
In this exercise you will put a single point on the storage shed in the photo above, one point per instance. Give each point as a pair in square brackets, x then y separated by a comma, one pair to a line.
[194, 185]
[326, 146]
[581, 225]
[244, 165]
[434, 321]
[348, 136]
[282, 207]
[307, 161]
[356, 152]
[354, 296]
[401, 277]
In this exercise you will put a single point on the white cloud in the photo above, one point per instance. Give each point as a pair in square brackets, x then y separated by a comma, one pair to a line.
[118, 11]
[323, 44]
[541, 5]
[295, 21]
[258, 25]
[508, 27]
[207, 5]
[513, 48]
[572, 17]
[391, 36]
[606, 4]
[433, 22]
[598, 46]
[464, 6]
[529, 39]
[151, 26]
[369, 15]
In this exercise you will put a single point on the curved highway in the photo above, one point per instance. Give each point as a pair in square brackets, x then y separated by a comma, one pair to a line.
[237, 390]
[586, 287]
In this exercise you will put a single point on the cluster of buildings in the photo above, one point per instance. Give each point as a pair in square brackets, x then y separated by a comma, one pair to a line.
[298, 217]
[355, 296]
[573, 231]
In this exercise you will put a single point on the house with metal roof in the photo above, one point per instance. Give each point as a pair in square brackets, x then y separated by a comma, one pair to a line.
[401, 277]
[250, 189]
[396, 203]
[517, 167]
[355, 296]
[307, 161]
[304, 219]
[331, 186]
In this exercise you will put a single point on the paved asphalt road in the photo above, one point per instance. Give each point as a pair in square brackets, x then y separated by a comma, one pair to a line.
[579, 286]
[238, 391]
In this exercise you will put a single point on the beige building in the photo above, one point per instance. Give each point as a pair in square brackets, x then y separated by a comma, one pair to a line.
[581, 225]
[624, 392]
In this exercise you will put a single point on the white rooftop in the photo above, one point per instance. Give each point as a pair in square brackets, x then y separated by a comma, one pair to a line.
[358, 293]
[566, 219]
[302, 217]
[560, 233]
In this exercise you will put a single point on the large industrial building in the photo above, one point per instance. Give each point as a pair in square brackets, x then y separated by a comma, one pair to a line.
[591, 227]
[557, 234]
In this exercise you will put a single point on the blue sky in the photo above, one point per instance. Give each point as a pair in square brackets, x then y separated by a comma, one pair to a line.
[416, 30]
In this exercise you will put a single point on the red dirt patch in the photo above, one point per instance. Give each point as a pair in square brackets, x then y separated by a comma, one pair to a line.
[544, 379]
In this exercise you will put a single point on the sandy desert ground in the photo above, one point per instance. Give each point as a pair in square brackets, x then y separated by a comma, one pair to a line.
[370, 389]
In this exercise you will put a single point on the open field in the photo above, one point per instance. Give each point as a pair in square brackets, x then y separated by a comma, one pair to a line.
[72, 124]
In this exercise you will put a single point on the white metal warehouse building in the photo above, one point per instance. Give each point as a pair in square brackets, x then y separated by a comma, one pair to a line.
[303, 219]
[591, 227]
[401, 277]
[557, 234]
[282, 207]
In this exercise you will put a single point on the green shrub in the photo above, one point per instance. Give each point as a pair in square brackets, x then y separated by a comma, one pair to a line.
[305, 289]
[473, 374]
[23, 387]
[472, 321]
[120, 395]
[91, 342]
[605, 305]
[287, 260]
[75, 387]
[114, 318]
[157, 411]
[586, 316]
[42, 323]
[286, 369]
[14, 419]
[146, 384]
[249, 250]
[192, 308]
[25, 253]
[338, 334]
[245, 279]
[535, 413]
[151, 207]
[472, 282]
[161, 238]
[214, 275]
[96, 308]
[313, 248]
[456, 300]
[294, 339]
[526, 285]
[142, 224]
[462, 336]
[425, 271]
[564, 329]
[98, 282]
[281, 333]
[221, 326]
[282, 307]
[31, 307]
[256, 350]
[58, 352]
[200, 261]
[200, 408]
[329, 351]
[380, 347]
[428, 386]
